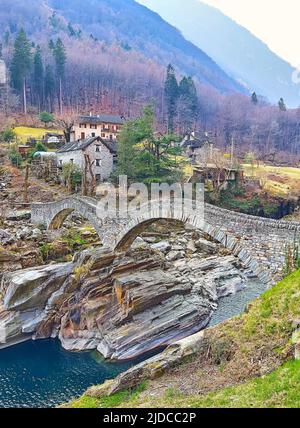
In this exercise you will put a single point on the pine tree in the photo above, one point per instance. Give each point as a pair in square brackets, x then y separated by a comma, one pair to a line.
[38, 76]
[51, 44]
[282, 105]
[21, 64]
[188, 104]
[254, 98]
[60, 57]
[49, 86]
[6, 38]
[171, 97]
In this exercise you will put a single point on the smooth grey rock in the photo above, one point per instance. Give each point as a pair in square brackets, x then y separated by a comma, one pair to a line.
[31, 288]
[163, 246]
[175, 255]
[206, 246]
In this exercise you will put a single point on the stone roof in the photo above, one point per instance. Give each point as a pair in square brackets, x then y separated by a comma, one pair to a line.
[83, 144]
[196, 140]
[103, 118]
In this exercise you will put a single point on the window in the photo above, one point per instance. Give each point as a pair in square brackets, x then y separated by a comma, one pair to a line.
[93, 134]
[83, 135]
[103, 135]
[98, 177]
[111, 137]
[98, 149]
[93, 126]
[82, 125]
[98, 162]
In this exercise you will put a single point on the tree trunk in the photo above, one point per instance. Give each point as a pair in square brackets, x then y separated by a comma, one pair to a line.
[24, 97]
[84, 178]
[89, 164]
[26, 184]
[60, 97]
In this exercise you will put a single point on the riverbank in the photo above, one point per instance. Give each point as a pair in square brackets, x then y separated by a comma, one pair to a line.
[123, 305]
[45, 375]
[249, 346]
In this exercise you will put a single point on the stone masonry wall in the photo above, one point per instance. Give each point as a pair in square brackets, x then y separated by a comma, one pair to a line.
[260, 243]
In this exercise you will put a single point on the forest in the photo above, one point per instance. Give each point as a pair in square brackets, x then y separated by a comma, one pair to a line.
[64, 69]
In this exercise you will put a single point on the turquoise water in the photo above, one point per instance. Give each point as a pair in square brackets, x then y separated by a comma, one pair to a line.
[42, 374]
[236, 304]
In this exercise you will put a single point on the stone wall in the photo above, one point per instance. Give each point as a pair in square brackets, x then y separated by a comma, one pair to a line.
[259, 242]
[77, 156]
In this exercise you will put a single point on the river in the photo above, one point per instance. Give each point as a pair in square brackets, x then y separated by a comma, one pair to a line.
[42, 374]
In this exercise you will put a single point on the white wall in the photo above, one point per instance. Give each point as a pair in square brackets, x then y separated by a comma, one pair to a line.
[104, 156]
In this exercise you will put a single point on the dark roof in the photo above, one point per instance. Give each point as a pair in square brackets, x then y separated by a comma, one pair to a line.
[83, 144]
[196, 140]
[106, 118]
[193, 144]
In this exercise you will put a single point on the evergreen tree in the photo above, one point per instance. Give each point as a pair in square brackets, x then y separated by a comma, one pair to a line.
[143, 156]
[254, 98]
[60, 57]
[6, 38]
[282, 105]
[171, 97]
[51, 44]
[188, 104]
[49, 86]
[21, 64]
[38, 76]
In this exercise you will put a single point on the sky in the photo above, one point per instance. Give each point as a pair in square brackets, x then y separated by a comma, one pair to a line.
[276, 22]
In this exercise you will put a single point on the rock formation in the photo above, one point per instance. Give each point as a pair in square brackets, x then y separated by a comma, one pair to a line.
[123, 305]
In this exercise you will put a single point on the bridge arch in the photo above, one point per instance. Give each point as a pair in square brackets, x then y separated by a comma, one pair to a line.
[54, 214]
[259, 243]
[137, 227]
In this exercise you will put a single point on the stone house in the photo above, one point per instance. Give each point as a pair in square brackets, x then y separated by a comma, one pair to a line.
[198, 147]
[105, 126]
[101, 153]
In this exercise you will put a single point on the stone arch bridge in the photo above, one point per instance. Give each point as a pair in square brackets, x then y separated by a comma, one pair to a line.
[260, 243]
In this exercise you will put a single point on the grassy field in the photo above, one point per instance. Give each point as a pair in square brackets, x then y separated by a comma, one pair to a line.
[249, 363]
[24, 133]
[279, 181]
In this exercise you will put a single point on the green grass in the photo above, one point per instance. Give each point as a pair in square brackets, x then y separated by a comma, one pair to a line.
[107, 402]
[279, 389]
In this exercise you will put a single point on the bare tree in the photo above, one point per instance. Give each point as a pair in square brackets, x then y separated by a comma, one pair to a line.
[26, 184]
[66, 122]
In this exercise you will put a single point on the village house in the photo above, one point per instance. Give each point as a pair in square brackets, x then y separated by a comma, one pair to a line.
[105, 126]
[102, 155]
[198, 147]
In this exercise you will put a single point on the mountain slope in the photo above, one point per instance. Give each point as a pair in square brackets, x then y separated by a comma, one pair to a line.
[133, 25]
[122, 22]
[234, 48]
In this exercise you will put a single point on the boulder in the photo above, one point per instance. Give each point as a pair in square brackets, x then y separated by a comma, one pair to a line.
[31, 288]
[163, 246]
[206, 246]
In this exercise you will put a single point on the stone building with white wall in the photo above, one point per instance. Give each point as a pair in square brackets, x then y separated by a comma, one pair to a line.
[105, 126]
[102, 155]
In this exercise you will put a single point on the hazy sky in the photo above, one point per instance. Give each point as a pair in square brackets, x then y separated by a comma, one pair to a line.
[276, 22]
